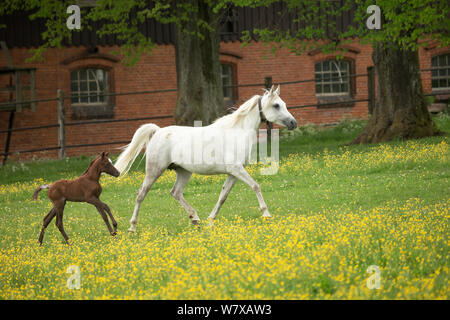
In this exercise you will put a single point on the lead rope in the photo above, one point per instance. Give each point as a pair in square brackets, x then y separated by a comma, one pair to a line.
[261, 114]
[263, 119]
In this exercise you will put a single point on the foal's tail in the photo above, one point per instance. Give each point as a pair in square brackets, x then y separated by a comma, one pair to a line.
[35, 194]
[140, 139]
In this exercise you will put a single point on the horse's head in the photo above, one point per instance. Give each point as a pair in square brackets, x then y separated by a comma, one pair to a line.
[274, 109]
[106, 165]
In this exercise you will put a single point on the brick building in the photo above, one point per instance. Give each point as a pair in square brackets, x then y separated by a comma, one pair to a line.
[88, 66]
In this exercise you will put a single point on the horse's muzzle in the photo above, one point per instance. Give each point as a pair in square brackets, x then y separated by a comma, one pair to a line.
[290, 123]
[114, 173]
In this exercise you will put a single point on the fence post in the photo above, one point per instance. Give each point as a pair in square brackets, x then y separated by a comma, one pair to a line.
[371, 89]
[269, 125]
[18, 85]
[32, 89]
[61, 125]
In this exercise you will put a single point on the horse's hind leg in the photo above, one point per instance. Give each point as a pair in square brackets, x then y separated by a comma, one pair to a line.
[152, 175]
[59, 220]
[227, 186]
[183, 177]
[47, 219]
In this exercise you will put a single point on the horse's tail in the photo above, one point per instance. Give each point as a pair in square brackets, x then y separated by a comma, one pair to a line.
[36, 192]
[140, 139]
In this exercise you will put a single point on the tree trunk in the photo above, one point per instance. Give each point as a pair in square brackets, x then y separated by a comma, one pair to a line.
[200, 93]
[400, 109]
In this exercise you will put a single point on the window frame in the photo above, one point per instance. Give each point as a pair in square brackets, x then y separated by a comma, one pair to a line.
[437, 68]
[233, 77]
[349, 71]
[89, 92]
[96, 110]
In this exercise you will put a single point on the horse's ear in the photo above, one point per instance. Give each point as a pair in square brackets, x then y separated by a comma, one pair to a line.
[103, 154]
[106, 154]
[271, 90]
[278, 90]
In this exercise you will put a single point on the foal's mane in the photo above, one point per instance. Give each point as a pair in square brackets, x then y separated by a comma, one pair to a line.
[90, 165]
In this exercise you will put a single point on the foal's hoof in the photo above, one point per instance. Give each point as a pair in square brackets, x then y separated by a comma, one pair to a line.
[113, 233]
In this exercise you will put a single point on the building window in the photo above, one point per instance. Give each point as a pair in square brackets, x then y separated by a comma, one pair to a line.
[88, 86]
[332, 78]
[228, 80]
[440, 73]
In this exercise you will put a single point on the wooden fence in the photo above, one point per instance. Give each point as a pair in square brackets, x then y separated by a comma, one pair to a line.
[62, 123]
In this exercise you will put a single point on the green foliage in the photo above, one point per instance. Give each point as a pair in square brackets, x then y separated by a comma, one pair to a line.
[406, 24]
[119, 17]
[54, 13]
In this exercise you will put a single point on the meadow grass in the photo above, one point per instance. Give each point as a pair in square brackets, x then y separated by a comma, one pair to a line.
[336, 211]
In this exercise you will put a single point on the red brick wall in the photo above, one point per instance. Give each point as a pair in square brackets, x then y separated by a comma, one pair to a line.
[157, 71]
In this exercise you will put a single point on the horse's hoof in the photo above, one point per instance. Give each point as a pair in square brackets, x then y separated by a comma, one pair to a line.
[196, 222]
[131, 231]
[267, 215]
[114, 233]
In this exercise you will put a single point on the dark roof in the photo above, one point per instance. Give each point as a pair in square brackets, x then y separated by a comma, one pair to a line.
[21, 32]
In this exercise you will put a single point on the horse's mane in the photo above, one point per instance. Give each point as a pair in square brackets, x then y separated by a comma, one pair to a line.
[229, 121]
[90, 165]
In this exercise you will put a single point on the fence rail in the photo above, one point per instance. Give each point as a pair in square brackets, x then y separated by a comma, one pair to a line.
[62, 124]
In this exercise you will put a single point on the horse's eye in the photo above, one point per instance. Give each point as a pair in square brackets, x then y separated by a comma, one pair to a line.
[276, 106]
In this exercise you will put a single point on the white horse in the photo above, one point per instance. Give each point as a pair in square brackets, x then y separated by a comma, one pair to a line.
[181, 148]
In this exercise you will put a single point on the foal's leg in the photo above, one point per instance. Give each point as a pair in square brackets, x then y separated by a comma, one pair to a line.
[227, 186]
[183, 177]
[152, 175]
[100, 205]
[240, 173]
[108, 210]
[47, 219]
[59, 219]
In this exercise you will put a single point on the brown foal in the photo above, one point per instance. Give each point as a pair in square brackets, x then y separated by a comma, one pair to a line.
[85, 188]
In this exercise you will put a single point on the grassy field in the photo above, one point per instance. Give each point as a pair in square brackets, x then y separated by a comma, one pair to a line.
[336, 211]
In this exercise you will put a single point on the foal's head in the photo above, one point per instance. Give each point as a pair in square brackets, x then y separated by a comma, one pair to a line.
[274, 109]
[105, 165]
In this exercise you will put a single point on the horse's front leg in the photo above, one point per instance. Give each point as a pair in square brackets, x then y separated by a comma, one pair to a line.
[59, 208]
[240, 173]
[99, 206]
[108, 211]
